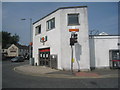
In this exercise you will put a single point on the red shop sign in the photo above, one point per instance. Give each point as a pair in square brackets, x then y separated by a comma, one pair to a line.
[45, 50]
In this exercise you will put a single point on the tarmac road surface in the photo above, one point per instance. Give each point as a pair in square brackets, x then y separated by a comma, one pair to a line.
[12, 79]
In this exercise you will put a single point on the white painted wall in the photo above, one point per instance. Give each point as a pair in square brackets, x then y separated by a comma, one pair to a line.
[82, 39]
[58, 38]
[12, 54]
[53, 37]
[101, 46]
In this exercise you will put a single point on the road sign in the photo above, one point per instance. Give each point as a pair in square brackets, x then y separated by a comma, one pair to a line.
[75, 30]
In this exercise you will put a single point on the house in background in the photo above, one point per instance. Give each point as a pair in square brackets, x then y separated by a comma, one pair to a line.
[14, 50]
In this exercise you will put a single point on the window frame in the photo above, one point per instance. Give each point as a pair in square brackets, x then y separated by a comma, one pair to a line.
[37, 30]
[78, 16]
[50, 25]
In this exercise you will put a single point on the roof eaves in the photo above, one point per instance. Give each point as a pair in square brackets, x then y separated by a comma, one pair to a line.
[104, 35]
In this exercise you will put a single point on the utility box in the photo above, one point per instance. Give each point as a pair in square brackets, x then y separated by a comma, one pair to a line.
[31, 61]
[53, 61]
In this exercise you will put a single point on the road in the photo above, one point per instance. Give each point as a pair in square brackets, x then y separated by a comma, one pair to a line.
[12, 79]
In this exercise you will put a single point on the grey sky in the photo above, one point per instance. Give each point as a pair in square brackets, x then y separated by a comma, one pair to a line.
[101, 16]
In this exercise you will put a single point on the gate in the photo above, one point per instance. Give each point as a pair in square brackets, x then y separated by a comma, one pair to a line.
[44, 57]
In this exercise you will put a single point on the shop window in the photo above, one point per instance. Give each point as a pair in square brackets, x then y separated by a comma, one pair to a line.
[50, 24]
[40, 55]
[38, 30]
[43, 55]
[73, 19]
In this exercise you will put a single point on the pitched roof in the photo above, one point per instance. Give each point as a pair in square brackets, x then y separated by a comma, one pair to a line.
[103, 33]
[18, 45]
[21, 46]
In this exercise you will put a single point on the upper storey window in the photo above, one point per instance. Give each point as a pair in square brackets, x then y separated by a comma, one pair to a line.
[38, 30]
[51, 24]
[73, 19]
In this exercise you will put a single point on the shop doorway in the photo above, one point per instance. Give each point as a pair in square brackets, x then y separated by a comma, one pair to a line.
[44, 57]
[114, 59]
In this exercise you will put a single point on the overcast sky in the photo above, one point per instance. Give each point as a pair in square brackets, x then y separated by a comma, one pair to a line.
[102, 16]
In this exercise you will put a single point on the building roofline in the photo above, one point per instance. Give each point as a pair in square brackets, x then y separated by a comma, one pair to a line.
[57, 10]
[104, 35]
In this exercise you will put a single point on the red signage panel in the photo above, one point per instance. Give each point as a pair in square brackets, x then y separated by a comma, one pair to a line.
[45, 50]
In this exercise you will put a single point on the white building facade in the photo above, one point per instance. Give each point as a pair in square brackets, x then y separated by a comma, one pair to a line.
[104, 50]
[51, 42]
[54, 30]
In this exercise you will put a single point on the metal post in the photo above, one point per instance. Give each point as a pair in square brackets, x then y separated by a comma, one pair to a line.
[72, 55]
[30, 38]
[30, 47]
[31, 59]
[71, 59]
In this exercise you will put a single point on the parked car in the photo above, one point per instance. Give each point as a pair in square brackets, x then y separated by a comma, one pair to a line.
[3, 57]
[17, 59]
[27, 57]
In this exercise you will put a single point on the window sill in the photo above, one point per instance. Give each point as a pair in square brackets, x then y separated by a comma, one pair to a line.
[50, 29]
[73, 24]
[37, 34]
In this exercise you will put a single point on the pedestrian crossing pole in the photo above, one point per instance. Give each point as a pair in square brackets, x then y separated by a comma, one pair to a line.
[73, 40]
[71, 44]
[72, 59]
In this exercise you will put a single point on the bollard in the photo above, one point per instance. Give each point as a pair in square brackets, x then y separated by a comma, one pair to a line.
[35, 64]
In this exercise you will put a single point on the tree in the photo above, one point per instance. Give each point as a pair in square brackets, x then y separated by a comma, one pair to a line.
[7, 38]
[14, 39]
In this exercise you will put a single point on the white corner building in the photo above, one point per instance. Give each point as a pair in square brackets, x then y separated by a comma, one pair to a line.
[51, 39]
[51, 42]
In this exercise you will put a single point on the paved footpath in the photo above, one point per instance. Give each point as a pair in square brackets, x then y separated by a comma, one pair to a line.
[53, 73]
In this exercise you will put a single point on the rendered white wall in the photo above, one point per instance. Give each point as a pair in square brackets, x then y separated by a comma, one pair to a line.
[93, 52]
[53, 37]
[102, 45]
[82, 39]
[58, 39]
[13, 54]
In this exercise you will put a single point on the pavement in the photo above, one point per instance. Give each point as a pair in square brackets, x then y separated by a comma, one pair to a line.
[44, 71]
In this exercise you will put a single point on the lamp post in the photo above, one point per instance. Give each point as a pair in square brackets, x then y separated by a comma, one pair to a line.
[30, 38]
[30, 45]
